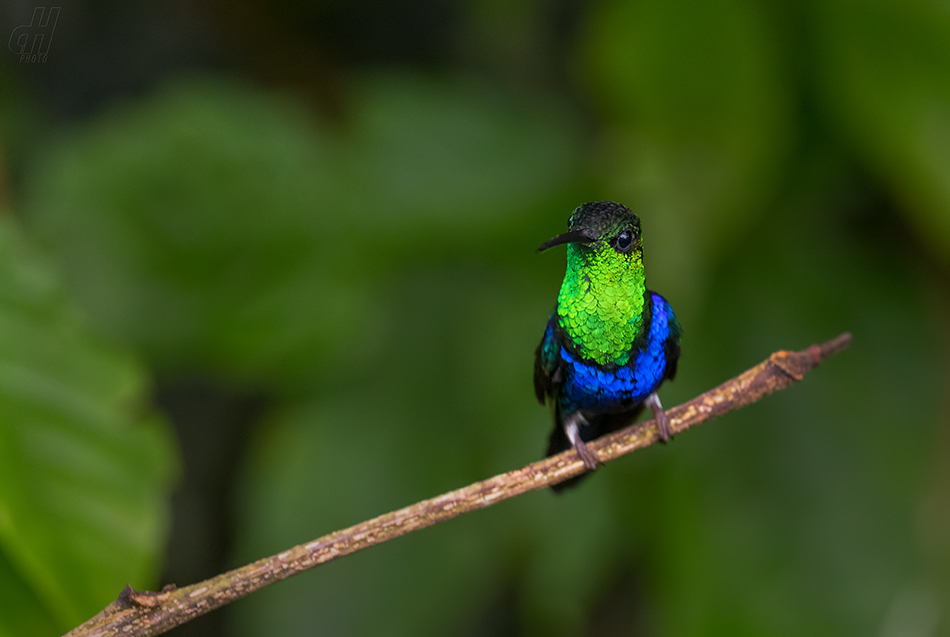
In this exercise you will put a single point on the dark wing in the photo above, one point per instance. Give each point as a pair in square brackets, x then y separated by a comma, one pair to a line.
[672, 346]
[548, 365]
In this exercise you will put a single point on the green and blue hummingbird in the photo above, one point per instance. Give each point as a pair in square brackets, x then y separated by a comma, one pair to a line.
[611, 342]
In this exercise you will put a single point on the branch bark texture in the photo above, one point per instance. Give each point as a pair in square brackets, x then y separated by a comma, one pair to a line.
[142, 613]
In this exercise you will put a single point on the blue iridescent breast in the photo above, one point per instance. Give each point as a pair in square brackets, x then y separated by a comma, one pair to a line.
[590, 387]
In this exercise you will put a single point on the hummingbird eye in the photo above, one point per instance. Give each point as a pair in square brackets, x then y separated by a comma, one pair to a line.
[624, 240]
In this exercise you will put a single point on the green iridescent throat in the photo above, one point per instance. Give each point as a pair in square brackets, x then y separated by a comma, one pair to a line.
[601, 301]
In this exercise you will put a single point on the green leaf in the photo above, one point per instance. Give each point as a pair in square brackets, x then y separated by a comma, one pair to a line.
[84, 470]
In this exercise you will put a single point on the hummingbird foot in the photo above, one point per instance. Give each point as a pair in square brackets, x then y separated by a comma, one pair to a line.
[573, 434]
[662, 422]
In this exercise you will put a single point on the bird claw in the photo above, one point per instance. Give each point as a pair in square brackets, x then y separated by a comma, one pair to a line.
[586, 455]
[583, 451]
[663, 425]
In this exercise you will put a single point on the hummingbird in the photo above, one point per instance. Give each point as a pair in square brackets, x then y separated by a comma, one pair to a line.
[610, 342]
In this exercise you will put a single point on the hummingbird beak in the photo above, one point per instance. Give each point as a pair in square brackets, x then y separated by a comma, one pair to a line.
[568, 237]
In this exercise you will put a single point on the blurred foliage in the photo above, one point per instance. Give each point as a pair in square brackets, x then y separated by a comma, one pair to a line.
[371, 268]
[230, 244]
[84, 468]
[884, 75]
[699, 120]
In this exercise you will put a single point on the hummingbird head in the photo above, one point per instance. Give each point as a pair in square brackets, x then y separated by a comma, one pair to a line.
[602, 295]
[601, 225]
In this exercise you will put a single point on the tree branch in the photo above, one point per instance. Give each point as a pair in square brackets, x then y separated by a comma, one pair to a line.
[147, 613]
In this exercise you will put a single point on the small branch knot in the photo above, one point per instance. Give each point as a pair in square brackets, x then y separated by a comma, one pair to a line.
[146, 599]
[791, 363]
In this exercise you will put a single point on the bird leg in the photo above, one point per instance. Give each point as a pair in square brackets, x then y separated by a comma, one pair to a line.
[662, 422]
[574, 435]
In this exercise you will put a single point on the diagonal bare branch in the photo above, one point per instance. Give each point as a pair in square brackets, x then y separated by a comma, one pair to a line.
[146, 613]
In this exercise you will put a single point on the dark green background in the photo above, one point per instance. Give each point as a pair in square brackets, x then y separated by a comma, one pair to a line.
[269, 269]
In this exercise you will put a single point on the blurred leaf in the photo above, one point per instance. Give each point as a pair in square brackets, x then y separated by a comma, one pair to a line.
[885, 73]
[198, 225]
[698, 124]
[23, 613]
[84, 473]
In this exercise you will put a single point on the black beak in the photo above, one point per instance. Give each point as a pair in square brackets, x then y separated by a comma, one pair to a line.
[567, 237]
